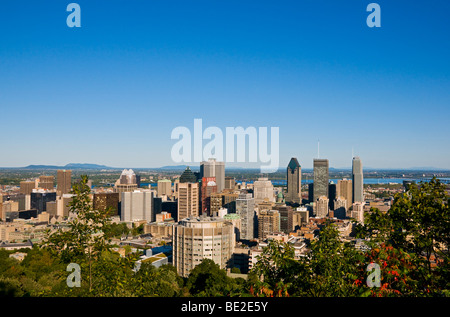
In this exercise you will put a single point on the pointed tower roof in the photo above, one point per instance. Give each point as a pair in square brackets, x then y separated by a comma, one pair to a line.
[293, 163]
[188, 176]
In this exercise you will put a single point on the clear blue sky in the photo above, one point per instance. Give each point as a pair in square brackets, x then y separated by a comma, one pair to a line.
[111, 91]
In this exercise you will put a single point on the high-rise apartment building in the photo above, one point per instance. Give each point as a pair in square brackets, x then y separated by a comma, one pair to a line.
[137, 205]
[245, 208]
[294, 182]
[195, 239]
[63, 182]
[188, 200]
[357, 179]
[268, 223]
[213, 168]
[263, 190]
[321, 178]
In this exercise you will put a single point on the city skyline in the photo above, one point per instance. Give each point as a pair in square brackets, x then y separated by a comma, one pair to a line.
[313, 69]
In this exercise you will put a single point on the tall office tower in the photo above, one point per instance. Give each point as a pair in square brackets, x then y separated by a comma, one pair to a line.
[294, 182]
[213, 168]
[63, 182]
[245, 208]
[39, 199]
[322, 207]
[202, 238]
[331, 194]
[268, 223]
[126, 183]
[137, 205]
[358, 211]
[104, 201]
[188, 200]
[321, 178]
[340, 207]
[47, 182]
[209, 187]
[286, 218]
[344, 189]
[230, 182]
[263, 190]
[127, 177]
[357, 179]
[187, 176]
[164, 187]
[26, 187]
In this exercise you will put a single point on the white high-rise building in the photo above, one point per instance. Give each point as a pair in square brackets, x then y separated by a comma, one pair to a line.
[357, 180]
[137, 205]
[263, 189]
[199, 238]
[245, 208]
[358, 211]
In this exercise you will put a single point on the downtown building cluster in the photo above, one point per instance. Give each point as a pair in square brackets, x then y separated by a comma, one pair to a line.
[199, 215]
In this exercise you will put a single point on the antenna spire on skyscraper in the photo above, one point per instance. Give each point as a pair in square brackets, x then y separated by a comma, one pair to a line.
[318, 148]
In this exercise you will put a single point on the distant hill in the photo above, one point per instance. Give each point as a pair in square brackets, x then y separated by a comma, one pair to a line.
[177, 167]
[70, 166]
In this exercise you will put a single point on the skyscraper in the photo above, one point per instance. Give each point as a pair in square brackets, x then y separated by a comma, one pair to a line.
[26, 187]
[286, 218]
[104, 201]
[63, 182]
[344, 188]
[322, 207]
[263, 189]
[321, 178]
[268, 223]
[245, 208]
[357, 180]
[209, 187]
[188, 176]
[294, 182]
[188, 200]
[195, 239]
[137, 205]
[125, 183]
[39, 199]
[47, 182]
[164, 187]
[213, 168]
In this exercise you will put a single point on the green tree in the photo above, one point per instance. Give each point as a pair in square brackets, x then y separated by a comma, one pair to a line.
[277, 273]
[334, 264]
[208, 279]
[84, 241]
[418, 224]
